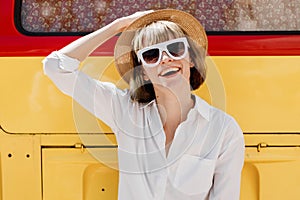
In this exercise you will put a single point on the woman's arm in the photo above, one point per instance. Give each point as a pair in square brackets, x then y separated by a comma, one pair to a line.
[229, 165]
[84, 46]
[101, 99]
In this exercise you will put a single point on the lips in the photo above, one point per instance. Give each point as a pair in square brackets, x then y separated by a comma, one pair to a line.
[169, 71]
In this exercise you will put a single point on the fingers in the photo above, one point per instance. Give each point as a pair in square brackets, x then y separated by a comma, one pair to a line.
[141, 13]
[138, 15]
[126, 21]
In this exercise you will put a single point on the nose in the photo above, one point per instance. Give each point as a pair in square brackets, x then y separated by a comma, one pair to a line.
[165, 58]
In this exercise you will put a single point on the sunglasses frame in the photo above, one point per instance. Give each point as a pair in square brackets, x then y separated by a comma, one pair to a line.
[162, 47]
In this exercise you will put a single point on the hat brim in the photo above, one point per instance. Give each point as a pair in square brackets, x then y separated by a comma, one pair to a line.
[189, 24]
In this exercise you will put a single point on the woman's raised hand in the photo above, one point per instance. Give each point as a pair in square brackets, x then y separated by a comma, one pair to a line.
[127, 20]
[82, 47]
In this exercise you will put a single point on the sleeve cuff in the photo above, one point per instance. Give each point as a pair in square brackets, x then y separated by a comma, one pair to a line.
[66, 63]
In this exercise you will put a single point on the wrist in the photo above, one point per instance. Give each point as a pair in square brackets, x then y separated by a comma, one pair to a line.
[121, 23]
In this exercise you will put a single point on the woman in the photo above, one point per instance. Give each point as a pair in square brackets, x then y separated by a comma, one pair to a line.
[171, 144]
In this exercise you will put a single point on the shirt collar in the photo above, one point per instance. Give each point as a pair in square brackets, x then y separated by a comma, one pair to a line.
[202, 107]
[147, 104]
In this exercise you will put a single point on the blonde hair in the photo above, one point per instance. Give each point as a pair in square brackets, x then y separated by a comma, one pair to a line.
[153, 33]
[156, 32]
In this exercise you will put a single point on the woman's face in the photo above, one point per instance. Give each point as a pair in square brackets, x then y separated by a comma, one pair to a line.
[167, 63]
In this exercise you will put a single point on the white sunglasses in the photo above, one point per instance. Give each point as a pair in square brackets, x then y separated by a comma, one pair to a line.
[151, 56]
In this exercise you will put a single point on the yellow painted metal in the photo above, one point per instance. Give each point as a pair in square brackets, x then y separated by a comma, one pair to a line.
[273, 173]
[30, 102]
[262, 93]
[57, 169]
[70, 174]
[20, 167]
[43, 158]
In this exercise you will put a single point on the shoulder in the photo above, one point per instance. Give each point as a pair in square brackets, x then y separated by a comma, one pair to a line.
[221, 124]
[214, 115]
[229, 135]
[228, 123]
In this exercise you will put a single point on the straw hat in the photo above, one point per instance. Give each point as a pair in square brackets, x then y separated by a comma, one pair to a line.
[190, 25]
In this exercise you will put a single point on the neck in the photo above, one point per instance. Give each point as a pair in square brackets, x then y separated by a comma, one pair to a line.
[173, 109]
[173, 106]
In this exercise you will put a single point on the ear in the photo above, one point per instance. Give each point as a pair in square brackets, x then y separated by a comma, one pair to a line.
[145, 76]
[191, 63]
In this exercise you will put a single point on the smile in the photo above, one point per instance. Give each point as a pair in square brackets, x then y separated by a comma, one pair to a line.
[169, 71]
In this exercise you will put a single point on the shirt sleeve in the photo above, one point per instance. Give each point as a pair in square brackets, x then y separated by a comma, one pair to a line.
[229, 165]
[102, 99]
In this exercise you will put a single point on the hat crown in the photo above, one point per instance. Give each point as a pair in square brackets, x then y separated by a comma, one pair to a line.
[123, 49]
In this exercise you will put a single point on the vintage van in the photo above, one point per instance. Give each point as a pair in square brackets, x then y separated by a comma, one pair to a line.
[51, 148]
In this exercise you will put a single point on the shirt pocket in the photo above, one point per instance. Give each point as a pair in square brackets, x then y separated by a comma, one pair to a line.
[194, 175]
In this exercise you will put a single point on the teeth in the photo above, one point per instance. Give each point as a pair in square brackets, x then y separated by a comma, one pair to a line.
[170, 70]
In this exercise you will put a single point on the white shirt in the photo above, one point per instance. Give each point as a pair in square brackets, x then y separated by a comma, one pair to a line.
[204, 161]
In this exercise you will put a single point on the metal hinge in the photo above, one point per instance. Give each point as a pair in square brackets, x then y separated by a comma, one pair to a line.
[261, 145]
[79, 146]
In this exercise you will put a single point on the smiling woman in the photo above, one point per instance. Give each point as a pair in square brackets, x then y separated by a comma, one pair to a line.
[52, 148]
[171, 128]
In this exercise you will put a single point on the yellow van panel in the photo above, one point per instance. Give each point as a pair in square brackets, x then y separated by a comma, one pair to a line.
[57, 166]
[261, 92]
[72, 174]
[269, 174]
[20, 167]
[273, 173]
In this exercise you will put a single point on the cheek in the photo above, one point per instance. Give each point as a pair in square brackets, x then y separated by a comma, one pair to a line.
[186, 69]
[151, 73]
[187, 74]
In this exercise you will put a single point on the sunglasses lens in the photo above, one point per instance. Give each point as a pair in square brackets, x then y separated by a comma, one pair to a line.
[151, 56]
[176, 49]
